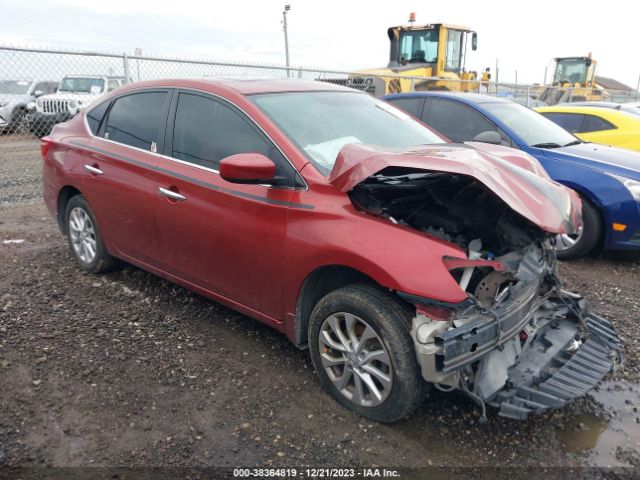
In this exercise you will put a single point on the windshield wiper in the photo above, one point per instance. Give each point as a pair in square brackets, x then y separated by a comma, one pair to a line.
[575, 142]
[547, 145]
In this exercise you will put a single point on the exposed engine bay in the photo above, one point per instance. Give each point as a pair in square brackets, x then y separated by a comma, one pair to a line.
[519, 342]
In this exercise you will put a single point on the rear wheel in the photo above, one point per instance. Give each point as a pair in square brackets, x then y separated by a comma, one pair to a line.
[360, 346]
[85, 241]
[570, 247]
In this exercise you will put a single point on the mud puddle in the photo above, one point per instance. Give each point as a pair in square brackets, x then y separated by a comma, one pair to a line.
[610, 434]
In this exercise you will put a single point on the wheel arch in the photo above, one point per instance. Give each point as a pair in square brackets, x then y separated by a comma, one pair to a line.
[66, 193]
[320, 282]
[595, 201]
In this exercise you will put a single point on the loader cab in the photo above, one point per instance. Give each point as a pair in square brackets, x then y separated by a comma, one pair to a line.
[575, 70]
[442, 47]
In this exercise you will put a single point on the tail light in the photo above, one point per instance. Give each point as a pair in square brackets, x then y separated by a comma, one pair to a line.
[45, 145]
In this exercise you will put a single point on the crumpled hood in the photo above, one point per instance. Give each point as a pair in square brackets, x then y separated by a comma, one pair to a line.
[551, 206]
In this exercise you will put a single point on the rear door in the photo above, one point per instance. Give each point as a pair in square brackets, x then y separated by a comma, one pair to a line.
[119, 171]
[227, 238]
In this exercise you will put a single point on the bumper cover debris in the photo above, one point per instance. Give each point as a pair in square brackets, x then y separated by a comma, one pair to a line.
[549, 374]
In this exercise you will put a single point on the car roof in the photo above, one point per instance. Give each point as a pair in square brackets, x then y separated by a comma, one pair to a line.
[471, 98]
[246, 86]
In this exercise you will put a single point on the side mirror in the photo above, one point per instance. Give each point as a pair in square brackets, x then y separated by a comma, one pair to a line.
[490, 136]
[247, 168]
[38, 93]
[474, 41]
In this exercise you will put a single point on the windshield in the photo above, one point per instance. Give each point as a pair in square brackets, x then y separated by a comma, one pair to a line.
[572, 70]
[419, 46]
[530, 126]
[81, 85]
[14, 87]
[321, 123]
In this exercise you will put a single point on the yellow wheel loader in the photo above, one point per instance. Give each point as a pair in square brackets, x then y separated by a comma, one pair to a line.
[574, 80]
[437, 51]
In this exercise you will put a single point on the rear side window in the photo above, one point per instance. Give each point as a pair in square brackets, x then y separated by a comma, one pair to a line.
[595, 124]
[413, 106]
[206, 131]
[135, 119]
[456, 121]
[95, 116]
[571, 122]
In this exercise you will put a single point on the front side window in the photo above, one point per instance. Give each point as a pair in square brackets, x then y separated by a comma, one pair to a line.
[534, 129]
[593, 123]
[82, 85]
[456, 121]
[454, 50]
[112, 84]
[321, 123]
[136, 119]
[419, 46]
[571, 122]
[207, 130]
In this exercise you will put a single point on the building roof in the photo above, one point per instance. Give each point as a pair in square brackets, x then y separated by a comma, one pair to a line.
[612, 84]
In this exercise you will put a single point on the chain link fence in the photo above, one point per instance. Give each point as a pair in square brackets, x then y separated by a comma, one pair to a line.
[41, 87]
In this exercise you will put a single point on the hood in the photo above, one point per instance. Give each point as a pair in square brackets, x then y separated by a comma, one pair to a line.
[13, 98]
[602, 157]
[551, 206]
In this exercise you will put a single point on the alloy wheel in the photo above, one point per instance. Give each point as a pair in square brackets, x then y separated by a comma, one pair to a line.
[83, 235]
[565, 241]
[355, 359]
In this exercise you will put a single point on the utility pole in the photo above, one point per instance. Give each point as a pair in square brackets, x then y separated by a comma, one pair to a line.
[544, 82]
[286, 38]
[497, 71]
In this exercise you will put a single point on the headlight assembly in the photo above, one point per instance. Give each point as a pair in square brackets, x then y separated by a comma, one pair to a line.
[632, 185]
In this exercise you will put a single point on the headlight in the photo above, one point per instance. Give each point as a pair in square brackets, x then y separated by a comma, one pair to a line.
[632, 185]
[72, 105]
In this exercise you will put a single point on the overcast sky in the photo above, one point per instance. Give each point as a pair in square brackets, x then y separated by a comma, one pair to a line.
[331, 33]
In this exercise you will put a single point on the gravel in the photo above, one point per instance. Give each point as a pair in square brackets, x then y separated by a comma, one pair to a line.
[126, 369]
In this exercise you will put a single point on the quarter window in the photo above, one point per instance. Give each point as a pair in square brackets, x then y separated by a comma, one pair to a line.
[595, 124]
[95, 116]
[136, 119]
[456, 121]
[206, 131]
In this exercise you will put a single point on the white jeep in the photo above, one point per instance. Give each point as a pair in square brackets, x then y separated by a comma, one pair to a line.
[74, 94]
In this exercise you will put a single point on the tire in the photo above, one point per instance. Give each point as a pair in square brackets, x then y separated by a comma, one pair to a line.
[389, 320]
[81, 235]
[588, 239]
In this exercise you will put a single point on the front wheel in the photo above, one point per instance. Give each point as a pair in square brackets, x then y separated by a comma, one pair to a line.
[570, 247]
[360, 346]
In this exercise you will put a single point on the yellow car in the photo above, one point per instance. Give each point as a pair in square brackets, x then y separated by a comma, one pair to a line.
[595, 124]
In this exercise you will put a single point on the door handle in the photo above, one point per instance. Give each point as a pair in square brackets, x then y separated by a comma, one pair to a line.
[172, 195]
[94, 170]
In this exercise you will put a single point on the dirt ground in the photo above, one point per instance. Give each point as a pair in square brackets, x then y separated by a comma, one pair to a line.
[126, 369]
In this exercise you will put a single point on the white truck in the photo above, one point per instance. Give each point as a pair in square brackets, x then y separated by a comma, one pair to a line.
[74, 94]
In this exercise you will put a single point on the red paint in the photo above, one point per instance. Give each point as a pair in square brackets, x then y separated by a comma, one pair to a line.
[252, 246]
[247, 167]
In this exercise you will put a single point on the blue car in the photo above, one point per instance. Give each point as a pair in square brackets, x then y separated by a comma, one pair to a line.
[607, 178]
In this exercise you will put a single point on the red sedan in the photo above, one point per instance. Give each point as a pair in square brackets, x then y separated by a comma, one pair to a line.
[400, 260]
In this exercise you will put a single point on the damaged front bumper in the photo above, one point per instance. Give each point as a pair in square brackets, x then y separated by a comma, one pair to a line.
[533, 352]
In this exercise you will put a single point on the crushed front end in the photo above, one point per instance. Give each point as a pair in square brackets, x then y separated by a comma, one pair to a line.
[519, 342]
